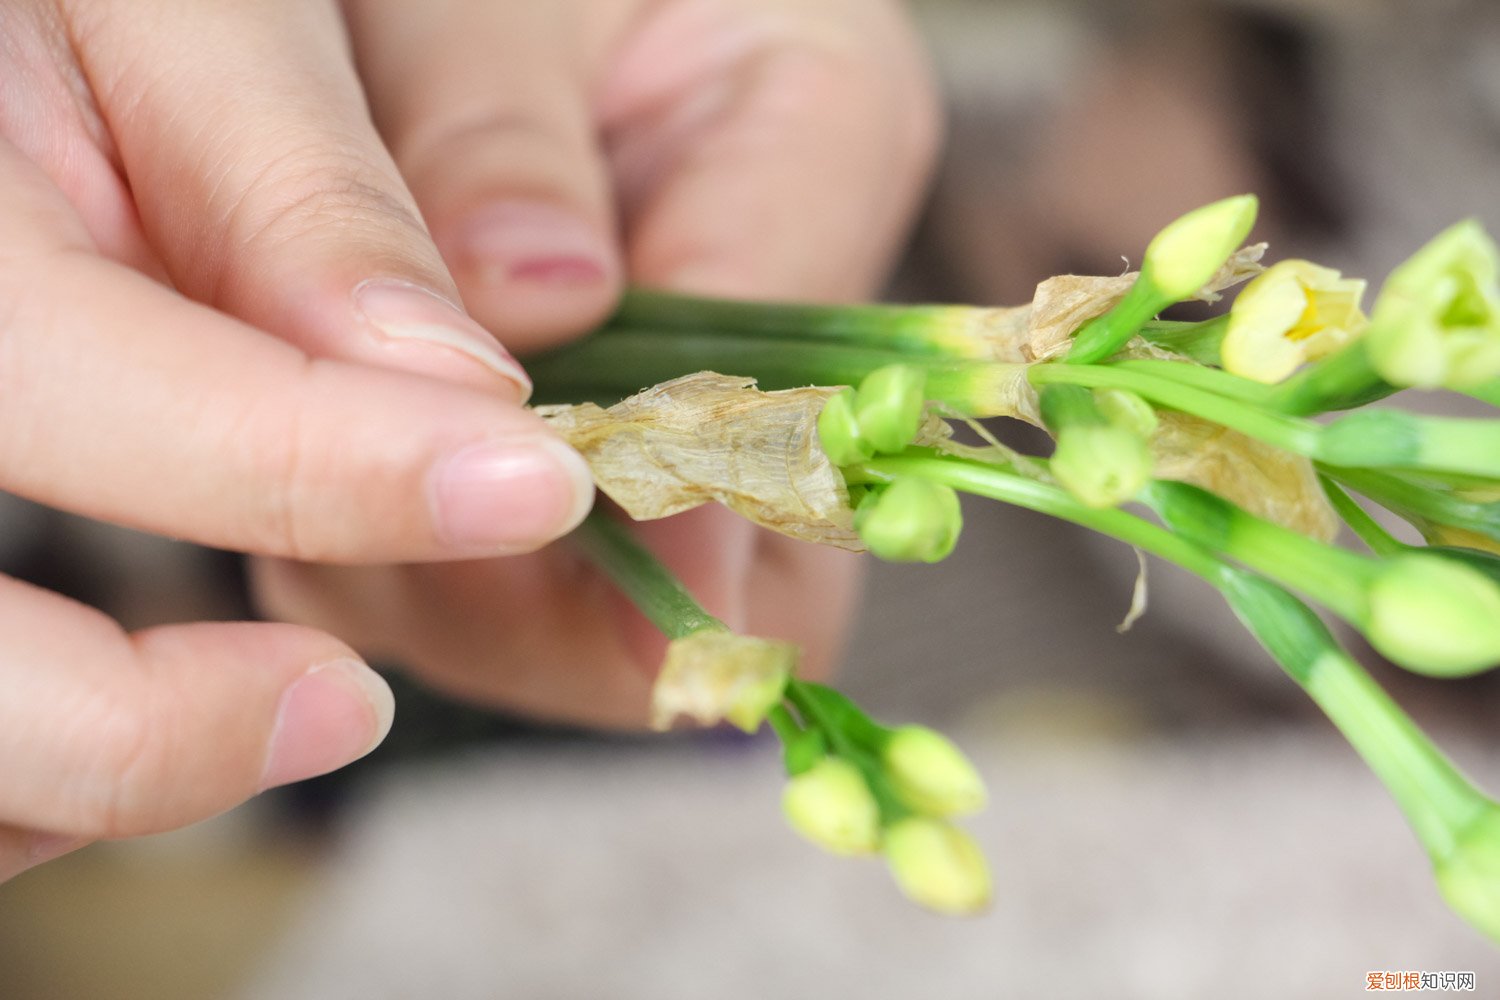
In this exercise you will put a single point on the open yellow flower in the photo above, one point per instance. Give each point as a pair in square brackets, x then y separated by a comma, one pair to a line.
[1295, 312]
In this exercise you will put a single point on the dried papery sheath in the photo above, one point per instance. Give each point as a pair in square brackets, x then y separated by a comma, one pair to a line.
[715, 676]
[1062, 304]
[1271, 484]
[707, 437]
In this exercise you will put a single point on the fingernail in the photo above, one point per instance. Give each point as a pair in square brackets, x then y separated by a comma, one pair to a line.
[533, 242]
[408, 313]
[510, 496]
[332, 715]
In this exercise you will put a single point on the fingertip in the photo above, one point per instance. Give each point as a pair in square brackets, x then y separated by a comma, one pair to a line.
[510, 496]
[331, 716]
[533, 272]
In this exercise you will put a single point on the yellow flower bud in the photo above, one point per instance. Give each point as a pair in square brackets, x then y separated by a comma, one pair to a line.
[932, 775]
[1437, 320]
[937, 865]
[1185, 255]
[1294, 312]
[831, 805]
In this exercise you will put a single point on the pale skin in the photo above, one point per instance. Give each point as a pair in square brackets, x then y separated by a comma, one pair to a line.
[233, 243]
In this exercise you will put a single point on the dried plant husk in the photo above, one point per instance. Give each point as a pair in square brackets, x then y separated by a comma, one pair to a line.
[715, 676]
[706, 437]
[710, 437]
[1271, 484]
[1043, 328]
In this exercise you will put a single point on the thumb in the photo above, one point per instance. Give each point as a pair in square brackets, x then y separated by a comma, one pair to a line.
[109, 735]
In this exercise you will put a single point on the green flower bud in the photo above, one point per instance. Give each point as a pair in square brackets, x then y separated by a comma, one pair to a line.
[932, 775]
[1434, 615]
[1469, 877]
[889, 406]
[911, 520]
[1437, 320]
[1184, 256]
[838, 431]
[1102, 465]
[831, 805]
[1128, 410]
[937, 865]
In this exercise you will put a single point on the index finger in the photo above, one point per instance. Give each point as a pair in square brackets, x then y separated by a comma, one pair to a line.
[120, 400]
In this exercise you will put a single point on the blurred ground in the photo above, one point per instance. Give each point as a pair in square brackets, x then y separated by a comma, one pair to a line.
[1170, 819]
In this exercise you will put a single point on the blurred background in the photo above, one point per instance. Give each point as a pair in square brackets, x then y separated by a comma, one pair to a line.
[1170, 818]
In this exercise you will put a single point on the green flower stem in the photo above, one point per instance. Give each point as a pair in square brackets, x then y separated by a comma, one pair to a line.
[950, 331]
[1417, 503]
[1104, 335]
[628, 360]
[1438, 801]
[1341, 381]
[1369, 439]
[1332, 576]
[1380, 541]
[1209, 379]
[1392, 439]
[997, 482]
[783, 724]
[1288, 433]
[648, 584]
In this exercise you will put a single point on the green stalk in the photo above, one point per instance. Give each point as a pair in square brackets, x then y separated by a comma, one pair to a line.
[650, 586]
[960, 332]
[1419, 504]
[1332, 576]
[630, 359]
[1288, 433]
[1438, 801]
[1208, 379]
[1341, 381]
[1104, 335]
[998, 483]
[1380, 541]
[1396, 440]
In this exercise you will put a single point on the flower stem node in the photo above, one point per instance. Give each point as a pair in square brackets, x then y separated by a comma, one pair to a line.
[911, 520]
[1435, 615]
[831, 805]
[931, 775]
[937, 865]
[1294, 312]
[889, 407]
[1437, 320]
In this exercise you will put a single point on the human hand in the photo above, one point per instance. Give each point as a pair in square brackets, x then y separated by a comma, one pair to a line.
[224, 149]
[755, 148]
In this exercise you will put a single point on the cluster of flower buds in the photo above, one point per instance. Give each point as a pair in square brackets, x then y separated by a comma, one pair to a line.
[910, 519]
[855, 787]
